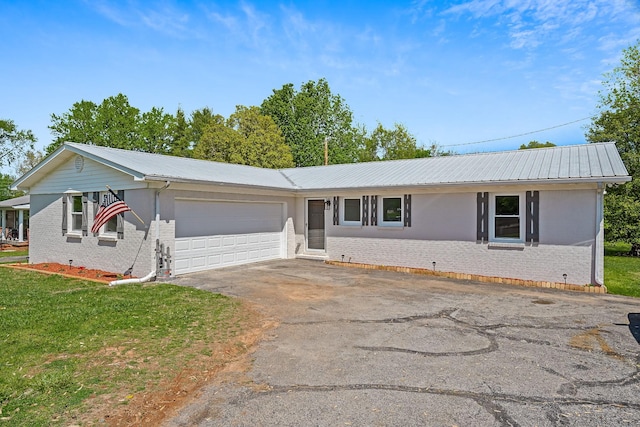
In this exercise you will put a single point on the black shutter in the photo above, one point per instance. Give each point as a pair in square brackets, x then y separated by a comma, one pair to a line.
[120, 218]
[483, 217]
[365, 210]
[65, 213]
[374, 210]
[85, 199]
[533, 208]
[96, 205]
[336, 210]
[407, 210]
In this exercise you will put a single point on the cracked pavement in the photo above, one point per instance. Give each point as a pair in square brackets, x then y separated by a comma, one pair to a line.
[368, 347]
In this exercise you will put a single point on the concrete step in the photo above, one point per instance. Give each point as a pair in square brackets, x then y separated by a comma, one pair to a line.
[313, 256]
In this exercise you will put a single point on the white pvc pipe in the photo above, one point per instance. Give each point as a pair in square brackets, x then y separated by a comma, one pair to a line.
[138, 280]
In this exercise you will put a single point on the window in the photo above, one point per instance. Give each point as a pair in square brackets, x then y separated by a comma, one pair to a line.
[507, 221]
[351, 213]
[76, 213]
[391, 211]
[112, 225]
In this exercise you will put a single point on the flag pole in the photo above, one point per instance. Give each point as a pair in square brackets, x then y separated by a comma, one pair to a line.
[130, 210]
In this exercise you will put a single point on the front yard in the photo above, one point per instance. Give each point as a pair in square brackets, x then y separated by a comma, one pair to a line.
[77, 352]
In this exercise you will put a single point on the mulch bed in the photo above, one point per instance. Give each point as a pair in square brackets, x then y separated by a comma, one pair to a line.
[73, 271]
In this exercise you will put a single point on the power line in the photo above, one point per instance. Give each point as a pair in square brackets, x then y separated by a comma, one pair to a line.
[519, 135]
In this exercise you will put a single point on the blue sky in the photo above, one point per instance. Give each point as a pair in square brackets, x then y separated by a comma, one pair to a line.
[452, 72]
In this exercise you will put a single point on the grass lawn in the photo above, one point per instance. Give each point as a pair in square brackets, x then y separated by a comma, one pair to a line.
[65, 342]
[17, 252]
[621, 273]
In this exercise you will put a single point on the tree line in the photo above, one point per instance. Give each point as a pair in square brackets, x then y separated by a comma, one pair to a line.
[291, 128]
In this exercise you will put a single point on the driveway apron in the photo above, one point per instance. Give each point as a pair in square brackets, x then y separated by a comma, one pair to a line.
[362, 347]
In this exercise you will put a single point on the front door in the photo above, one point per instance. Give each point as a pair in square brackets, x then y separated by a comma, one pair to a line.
[315, 224]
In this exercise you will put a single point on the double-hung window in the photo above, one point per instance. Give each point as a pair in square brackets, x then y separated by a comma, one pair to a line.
[391, 211]
[351, 211]
[76, 212]
[111, 227]
[507, 219]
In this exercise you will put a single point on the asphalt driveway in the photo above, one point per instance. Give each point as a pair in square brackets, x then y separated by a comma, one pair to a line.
[362, 347]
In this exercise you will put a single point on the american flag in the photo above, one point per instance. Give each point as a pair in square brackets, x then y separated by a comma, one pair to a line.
[111, 206]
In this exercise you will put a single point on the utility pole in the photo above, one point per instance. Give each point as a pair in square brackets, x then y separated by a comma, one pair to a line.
[326, 151]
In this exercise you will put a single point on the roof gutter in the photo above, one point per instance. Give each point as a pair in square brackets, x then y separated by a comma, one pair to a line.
[156, 178]
[591, 180]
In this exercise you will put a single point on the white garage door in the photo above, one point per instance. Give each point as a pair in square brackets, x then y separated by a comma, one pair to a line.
[220, 234]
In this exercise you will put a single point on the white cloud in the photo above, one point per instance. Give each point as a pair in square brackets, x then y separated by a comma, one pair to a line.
[534, 22]
[165, 19]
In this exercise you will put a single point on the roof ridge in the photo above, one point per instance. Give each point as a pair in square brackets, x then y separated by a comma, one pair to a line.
[80, 146]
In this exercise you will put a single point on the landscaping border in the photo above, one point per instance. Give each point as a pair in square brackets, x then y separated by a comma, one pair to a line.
[476, 277]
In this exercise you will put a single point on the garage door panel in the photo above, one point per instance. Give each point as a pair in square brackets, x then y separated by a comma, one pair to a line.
[198, 218]
[244, 232]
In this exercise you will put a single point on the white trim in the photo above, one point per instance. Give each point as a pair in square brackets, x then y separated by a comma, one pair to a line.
[381, 221]
[306, 226]
[343, 203]
[71, 213]
[521, 218]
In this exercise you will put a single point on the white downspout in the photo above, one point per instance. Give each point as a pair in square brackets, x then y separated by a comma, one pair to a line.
[157, 216]
[151, 275]
[599, 243]
[137, 280]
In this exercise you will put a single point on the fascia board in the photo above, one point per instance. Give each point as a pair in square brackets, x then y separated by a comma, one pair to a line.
[606, 180]
[164, 179]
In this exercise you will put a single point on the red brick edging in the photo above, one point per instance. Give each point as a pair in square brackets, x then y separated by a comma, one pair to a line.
[476, 277]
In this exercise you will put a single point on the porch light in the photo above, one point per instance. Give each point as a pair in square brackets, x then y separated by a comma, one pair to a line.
[327, 204]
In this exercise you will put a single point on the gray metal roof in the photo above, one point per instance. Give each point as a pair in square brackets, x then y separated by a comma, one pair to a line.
[587, 162]
[578, 163]
[158, 167]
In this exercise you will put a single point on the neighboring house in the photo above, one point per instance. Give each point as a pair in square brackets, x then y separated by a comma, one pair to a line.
[528, 214]
[14, 219]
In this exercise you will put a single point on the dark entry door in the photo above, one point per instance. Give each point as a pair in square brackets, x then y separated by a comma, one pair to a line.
[315, 224]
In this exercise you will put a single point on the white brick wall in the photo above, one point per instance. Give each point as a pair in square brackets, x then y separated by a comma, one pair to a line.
[444, 230]
[541, 263]
[47, 244]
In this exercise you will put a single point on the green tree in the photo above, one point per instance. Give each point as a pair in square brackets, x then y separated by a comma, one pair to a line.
[618, 120]
[14, 143]
[79, 124]
[311, 117]
[247, 138]
[116, 123]
[157, 131]
[182, 142]
[262, 141]
[536, 144]
[31, 158]
[5, 187]
[391, 144]
[200, 119]
[113, 123]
